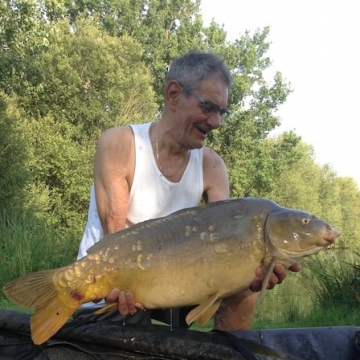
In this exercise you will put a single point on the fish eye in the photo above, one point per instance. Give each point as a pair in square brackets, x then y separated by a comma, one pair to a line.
[305, 221]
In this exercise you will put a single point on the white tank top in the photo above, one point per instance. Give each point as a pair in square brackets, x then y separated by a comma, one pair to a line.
[151, 194]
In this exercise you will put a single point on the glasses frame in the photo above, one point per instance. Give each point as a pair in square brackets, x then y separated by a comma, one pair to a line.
[208, 107]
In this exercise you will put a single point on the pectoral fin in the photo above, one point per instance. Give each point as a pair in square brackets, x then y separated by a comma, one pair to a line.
[106, 308]
[266, 279]
[204, 311]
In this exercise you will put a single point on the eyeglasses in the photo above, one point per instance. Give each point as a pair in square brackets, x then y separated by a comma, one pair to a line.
[208, 107]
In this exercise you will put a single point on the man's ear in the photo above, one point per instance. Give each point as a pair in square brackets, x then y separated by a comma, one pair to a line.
[172, 94]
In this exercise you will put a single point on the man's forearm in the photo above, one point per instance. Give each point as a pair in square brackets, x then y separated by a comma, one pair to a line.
[236, 312]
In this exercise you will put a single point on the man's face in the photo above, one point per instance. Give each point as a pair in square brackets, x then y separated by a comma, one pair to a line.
[198, 111]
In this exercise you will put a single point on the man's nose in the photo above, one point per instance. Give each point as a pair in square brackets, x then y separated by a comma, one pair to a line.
[214, 120]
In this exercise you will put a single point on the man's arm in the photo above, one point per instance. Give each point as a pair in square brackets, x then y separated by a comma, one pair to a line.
[113, 175]
[112, 172]
[216, 179]
[237, 311]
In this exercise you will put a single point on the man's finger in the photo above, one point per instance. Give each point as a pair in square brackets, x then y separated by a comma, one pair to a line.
[130, 300]
[112, 296]
[122, 304]
[295, 267]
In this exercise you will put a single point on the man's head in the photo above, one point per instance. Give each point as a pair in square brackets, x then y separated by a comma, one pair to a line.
[190, 69]
[196, 94]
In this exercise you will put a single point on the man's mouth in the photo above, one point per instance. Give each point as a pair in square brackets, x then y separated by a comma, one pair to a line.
[203, 132]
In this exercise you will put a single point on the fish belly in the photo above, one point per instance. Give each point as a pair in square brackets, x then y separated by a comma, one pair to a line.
[176, 283]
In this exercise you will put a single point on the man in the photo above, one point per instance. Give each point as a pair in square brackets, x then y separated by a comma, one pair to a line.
[151, 170]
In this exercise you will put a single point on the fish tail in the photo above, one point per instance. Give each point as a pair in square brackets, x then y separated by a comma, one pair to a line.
[37, 291]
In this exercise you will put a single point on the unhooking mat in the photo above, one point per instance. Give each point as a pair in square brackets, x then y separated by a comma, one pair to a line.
[98, 340]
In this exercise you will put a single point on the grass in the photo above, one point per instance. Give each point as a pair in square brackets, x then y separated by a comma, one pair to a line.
[325, 293]
[29, 245]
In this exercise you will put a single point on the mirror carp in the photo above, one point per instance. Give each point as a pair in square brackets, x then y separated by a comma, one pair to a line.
[195, 256]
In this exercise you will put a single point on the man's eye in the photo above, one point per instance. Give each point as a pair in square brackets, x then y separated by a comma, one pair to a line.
[210, 107]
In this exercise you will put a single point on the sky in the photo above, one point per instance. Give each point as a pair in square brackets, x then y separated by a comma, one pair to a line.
[316, 46]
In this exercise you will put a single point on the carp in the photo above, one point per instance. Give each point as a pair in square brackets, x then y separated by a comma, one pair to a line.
[195, 256]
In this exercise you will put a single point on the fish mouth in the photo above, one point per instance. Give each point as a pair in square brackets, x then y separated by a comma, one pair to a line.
[329, 241]
[330, 235]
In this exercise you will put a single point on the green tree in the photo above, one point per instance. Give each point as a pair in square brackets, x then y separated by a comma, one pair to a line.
[298, 187]
[164, 28]
[349, 200]
[13, 154]
[329, 196]
[22, 37]
[91, 80]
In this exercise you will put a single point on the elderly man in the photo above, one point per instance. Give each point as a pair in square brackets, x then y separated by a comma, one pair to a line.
[151, 170]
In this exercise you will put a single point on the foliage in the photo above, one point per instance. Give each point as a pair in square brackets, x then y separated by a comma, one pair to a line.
[254, 164]
[29, 245]
[164, 28]
[23, 35]
[99, 80]
[299, 186]
[89, 82]
[13, 153]
[61, 171]
[336, 283]
[324, 293]
[349, 202]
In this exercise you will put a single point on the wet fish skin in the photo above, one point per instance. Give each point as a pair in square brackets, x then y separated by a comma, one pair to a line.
[194, 256]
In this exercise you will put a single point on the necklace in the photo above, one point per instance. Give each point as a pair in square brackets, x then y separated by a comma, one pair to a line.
[158, 158]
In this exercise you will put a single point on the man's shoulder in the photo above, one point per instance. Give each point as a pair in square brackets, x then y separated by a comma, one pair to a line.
[209, 155]
[114, 134]
[116, 141]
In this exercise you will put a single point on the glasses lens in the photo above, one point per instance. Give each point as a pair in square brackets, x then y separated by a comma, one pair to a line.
[224, 113]
[210, 108]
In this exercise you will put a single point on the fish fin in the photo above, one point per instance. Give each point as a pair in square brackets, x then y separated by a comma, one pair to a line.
[31, 290]
[203, 312]
[106, 308]
[37, 291]
[47, 320]
[207, 314]
[266, 280]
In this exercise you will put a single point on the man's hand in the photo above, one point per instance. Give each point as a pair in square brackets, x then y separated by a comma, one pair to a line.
[276, 278]
[126, 302]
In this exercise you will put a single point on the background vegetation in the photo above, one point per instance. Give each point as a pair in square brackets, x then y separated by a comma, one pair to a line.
[71, 69]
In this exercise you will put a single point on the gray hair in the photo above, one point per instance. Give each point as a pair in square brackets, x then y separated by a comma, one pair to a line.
[190, 69]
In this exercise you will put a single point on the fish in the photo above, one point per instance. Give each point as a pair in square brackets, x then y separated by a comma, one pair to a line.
[196, 256]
